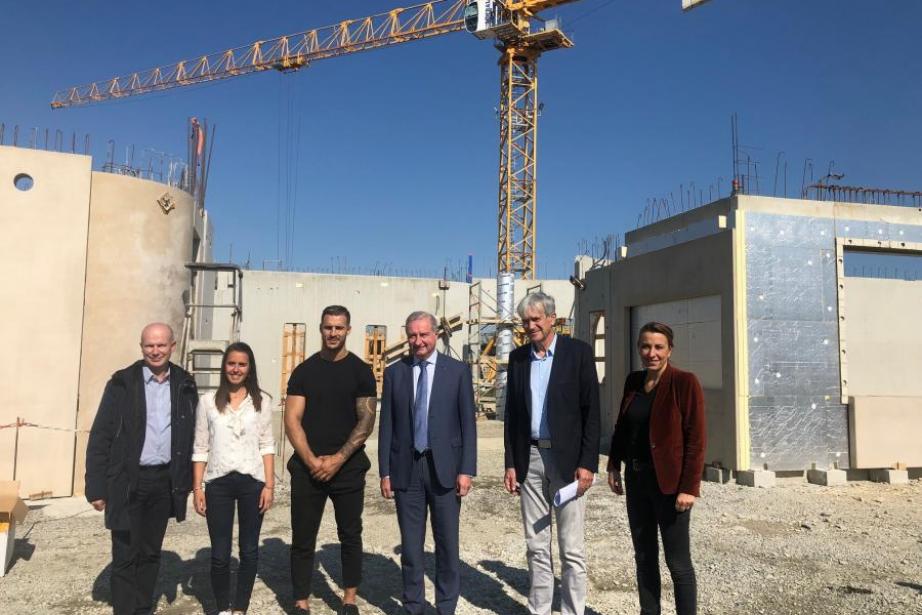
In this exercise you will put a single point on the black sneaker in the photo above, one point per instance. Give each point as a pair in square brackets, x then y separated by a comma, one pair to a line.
[350, 609]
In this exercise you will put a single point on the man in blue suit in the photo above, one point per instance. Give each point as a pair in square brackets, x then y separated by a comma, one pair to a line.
[427, 456]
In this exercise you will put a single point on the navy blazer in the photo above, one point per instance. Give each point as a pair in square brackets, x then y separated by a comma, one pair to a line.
[572, 405]
[452, 424]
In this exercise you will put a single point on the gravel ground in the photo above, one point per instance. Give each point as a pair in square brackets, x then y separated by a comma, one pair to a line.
[793, 549]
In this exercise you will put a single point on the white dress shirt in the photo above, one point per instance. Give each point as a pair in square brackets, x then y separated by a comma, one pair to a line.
[233, 440]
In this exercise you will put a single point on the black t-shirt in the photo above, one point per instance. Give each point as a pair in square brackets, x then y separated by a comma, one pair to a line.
[637, 421]
[330, 389]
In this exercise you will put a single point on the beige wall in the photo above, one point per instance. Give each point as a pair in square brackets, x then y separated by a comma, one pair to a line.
[883, 337]
[885, 431]
[135, 274]
[696, 269]
[42, 264]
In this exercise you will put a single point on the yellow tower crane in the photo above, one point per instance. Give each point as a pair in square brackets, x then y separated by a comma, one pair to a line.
[521, 37]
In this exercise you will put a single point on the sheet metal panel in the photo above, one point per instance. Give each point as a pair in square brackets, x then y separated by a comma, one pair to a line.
[794, 411]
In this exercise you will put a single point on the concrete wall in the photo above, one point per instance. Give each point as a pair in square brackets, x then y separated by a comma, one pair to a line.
[42, 264]
[271, 299]
[698, 268]
[90, 258]
[135, 274]
[696, 324]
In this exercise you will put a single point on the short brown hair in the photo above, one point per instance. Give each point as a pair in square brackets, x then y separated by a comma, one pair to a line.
[336, 310]
[656, 327]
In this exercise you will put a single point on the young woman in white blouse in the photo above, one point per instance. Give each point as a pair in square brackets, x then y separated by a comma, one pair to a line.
[233, 460]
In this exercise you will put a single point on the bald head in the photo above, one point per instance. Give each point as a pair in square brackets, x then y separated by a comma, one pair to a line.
[157, 345]
[157, 328]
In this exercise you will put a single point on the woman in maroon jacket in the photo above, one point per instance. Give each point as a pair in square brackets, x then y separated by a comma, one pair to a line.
[660, 437]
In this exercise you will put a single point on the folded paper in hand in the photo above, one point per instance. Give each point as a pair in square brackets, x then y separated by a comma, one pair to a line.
[565, 494]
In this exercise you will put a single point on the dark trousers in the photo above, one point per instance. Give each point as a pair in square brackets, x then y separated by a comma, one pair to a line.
[648, 509]
[425, 494]
[136, 552]
[308, 497]
[221, 495]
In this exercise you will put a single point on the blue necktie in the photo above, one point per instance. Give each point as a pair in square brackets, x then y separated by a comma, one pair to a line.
[420, 412]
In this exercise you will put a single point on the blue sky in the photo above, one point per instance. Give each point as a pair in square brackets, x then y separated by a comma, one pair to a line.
[395, 165]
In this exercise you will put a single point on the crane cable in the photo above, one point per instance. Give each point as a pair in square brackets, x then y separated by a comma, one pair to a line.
[287, 170]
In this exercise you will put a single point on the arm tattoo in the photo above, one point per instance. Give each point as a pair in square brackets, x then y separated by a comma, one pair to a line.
[365, 422]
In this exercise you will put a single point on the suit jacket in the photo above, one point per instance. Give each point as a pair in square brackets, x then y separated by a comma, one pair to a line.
[113, 454]
[677, 430]
[572, 406]
[452, 425]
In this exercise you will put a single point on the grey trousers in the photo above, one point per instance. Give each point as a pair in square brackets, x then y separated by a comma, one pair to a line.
[537, 493]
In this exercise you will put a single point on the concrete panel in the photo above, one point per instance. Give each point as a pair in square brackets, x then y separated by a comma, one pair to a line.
[883, 337]
[135, 274]
[704, 309]
[688, 226]
[42, 262]
[704, 342]
[697, 341]
[884, 431]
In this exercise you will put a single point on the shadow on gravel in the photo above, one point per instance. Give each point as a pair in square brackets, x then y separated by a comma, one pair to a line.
[381, 580]
[479, 589]
[517, 579]
[914, 586]
[190, 575]
[22, 549]
[380, 586]
[275, 572]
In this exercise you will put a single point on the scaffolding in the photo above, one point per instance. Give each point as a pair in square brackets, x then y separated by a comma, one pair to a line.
[200, 350]
[375, 344]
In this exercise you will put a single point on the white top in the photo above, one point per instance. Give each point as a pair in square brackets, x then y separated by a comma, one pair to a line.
[233, 440]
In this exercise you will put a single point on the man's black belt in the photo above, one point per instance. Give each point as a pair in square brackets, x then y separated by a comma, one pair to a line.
[418, 454]
[541, 443]
[161, 466]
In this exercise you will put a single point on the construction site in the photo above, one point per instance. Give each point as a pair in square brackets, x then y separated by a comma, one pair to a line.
[797, 310]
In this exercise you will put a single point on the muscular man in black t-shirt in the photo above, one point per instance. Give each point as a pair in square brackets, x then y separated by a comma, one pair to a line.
[329, 413]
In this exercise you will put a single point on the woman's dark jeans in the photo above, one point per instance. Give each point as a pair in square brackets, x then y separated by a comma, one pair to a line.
[220, 496]
[648, 509]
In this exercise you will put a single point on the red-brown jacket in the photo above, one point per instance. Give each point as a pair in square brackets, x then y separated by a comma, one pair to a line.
[677, 430]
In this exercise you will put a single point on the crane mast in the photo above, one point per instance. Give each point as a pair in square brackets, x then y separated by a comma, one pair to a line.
[521, 40]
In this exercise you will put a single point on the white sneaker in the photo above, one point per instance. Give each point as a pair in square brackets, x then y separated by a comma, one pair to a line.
[227, 612]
